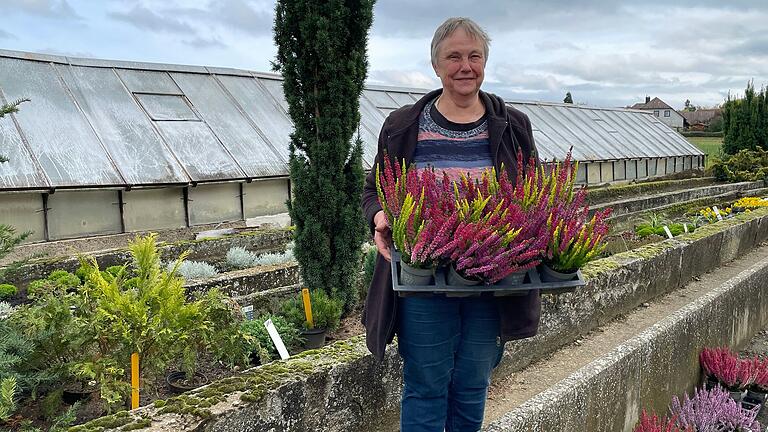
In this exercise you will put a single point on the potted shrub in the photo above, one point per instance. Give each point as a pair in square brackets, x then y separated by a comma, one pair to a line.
[258, 342]
[326, 316]
[573, 243]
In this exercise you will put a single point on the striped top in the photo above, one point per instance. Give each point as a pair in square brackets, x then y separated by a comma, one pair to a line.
[456, 148]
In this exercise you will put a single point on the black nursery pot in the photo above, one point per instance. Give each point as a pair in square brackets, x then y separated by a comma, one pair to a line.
[176, 384]
[753, 399]
[314, 338]
[72, 396]
[711, 383]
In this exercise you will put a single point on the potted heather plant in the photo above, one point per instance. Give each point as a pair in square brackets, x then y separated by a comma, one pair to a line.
[409, 198]
[712, 410]
[727, 369]
[757, 386]
[573, 243]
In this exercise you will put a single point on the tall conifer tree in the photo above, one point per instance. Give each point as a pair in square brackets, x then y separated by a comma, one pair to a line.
[8, 109]
[321, 53]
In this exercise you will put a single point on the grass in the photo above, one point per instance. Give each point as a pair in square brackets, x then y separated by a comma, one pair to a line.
[709, 145]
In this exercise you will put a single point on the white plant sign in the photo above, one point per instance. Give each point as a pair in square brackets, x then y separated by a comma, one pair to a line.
[669, 233]
[276, 339]
[717, 213]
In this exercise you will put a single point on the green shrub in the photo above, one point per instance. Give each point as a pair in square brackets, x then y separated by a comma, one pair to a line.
[20, 358]
[746, 165]
[7, 398]
[64, 279]
[261, 343]
[116, 270]
[221, 334]
[326, 311]
[7, 290]
[369, 265]
[155, 320]
[38, 286]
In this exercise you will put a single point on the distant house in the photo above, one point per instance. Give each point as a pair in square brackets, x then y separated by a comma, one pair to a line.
[701, 118]
[660, 109]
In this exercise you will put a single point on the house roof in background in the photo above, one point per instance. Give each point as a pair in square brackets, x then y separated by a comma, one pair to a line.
[105, 123]
[700, 116]
[654, 103]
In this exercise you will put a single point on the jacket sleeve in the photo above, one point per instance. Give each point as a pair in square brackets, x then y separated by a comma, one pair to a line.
[370, 200]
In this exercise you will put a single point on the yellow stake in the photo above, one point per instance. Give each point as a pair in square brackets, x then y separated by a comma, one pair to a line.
[134, 381]
[307, 307]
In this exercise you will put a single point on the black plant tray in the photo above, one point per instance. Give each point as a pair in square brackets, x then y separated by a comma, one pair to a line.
[440, 285]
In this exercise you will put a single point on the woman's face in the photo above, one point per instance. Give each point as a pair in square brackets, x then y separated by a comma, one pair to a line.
[460, 64]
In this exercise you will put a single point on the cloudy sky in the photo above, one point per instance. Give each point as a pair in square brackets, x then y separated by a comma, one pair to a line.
[606, 53]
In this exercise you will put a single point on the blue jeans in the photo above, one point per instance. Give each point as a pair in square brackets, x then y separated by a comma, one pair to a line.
[449, 347]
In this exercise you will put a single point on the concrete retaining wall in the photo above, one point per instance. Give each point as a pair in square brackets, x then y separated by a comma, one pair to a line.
[351, 392]
[635, 204]
[618, 284]
[259, 241]
[596, 195]
[646, 371]
[248, 281]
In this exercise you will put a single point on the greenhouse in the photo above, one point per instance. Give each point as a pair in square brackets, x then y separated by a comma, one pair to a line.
[108, 147]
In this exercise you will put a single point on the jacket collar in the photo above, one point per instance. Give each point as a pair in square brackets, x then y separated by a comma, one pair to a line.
[494, 107]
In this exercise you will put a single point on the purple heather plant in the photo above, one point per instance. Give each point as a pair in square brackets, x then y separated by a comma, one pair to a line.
[573, 237]
[714, 410]
[495, 236]
[411, 201]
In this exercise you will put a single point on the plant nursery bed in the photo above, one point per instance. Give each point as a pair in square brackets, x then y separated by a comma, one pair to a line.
[531, 281]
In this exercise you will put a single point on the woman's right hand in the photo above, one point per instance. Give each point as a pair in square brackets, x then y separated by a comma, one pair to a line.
[382, 235]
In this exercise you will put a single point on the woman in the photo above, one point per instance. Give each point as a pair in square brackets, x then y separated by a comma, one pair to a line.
[449, 345]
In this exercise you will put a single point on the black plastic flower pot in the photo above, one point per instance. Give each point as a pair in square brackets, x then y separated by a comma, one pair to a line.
[314, 338]
[74, 394]
[754, 399]
[414, 276]
[711, 383]
[178, 382]
[548, 274]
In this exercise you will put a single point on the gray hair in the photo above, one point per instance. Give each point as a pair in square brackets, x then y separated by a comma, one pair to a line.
[451, 25]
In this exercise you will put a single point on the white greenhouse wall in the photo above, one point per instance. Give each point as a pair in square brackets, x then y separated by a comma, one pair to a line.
[265, 197]
[213, 203]
[83, 213]
[606, 172]
[24, 211]
[151, 209]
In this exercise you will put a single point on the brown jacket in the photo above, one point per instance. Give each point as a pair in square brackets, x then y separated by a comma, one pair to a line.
[508, 129]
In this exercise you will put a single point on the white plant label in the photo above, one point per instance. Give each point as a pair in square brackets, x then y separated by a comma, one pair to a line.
[685, 227]
[248, 312]
[717, 213]
[669, 233]
[276, 339]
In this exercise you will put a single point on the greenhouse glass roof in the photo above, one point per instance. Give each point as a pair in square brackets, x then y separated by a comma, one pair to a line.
[101, 123]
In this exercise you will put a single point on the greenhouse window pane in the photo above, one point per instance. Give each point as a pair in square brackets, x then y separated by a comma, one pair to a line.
[166, 107]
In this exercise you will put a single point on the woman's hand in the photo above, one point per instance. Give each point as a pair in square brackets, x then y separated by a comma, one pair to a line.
[382, 235]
